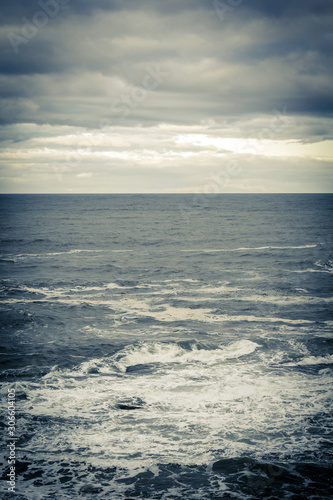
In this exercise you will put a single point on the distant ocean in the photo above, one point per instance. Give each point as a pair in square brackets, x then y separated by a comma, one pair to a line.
[167, 346]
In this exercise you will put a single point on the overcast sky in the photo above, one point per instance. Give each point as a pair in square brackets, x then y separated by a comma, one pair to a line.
[122, 96]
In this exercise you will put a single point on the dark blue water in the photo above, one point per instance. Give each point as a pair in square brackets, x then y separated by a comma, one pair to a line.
[168, 346]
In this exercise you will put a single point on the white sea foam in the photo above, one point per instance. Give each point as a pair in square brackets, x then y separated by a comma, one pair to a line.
[147, 303]
[283, 300]
[173, 353]
[314, 360]
[164, 354]
[327, 265]
[310, 270]
[259, 319]
[130, 308]
[187, 399]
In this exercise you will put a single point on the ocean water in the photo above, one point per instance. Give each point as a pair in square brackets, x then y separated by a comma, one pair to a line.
[167, 346]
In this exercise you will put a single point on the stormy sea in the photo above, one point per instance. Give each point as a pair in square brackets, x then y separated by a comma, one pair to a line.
[166, 346]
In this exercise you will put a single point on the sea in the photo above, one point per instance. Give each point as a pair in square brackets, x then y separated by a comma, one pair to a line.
[166, 346]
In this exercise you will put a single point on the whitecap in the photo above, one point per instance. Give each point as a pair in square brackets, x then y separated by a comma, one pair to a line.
[241, 249]
[313, 360]
[148, 353]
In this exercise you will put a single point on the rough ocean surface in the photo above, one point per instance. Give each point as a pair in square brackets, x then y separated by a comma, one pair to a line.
[167, 346]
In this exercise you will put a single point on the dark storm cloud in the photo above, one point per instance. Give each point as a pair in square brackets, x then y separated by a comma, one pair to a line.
[36, 57]
[289, 8]
[218, 70]
[13, 10]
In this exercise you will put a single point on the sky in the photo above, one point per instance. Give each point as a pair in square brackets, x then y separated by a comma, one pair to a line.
[166, 96]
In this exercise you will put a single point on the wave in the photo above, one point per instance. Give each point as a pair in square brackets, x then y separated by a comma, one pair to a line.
[169, 401]
[25, 241]
[122, 250]
[29, 371]
[282, 300]
[133, 310]
[313, 360]
[240, 476]
[327, 265]
[310, 270]
[23, 256]
[151, 353]
[241, 249]
[12, 240]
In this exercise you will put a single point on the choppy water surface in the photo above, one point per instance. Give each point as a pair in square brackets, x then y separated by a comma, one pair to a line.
[163, 347]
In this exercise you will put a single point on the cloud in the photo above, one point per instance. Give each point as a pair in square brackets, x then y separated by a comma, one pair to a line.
[125, 159]
[136, 74]
[85, 175]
